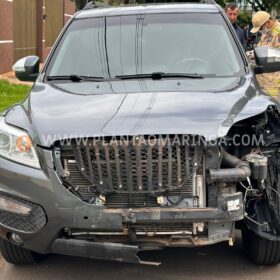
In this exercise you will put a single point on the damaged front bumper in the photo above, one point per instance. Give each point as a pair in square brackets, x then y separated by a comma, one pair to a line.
[71, 227]
[219, 220]
[98, 250]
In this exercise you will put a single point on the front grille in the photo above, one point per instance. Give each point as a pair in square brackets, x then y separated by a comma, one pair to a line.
[128, 172]
[28, 224]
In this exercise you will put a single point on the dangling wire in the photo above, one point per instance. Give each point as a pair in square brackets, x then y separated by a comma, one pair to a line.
[247, 190]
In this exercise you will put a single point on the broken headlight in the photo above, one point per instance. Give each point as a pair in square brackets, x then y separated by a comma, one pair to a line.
[16, 145]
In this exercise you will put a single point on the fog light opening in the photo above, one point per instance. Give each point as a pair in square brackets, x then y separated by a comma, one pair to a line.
[16, 239]
[14, 207]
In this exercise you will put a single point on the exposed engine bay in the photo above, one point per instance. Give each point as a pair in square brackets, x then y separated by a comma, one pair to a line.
[128, 175]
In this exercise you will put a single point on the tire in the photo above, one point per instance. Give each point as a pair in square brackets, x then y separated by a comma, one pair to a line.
[18, 255]
[259, 250]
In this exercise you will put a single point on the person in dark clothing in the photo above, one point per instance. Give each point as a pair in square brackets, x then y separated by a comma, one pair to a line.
[232, 12]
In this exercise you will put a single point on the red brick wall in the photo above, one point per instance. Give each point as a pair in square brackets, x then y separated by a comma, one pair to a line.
[6, 36]
[69, 9]
[6, 32]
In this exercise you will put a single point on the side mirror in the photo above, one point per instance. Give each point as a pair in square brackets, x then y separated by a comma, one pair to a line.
[267, 59]
[27, 68]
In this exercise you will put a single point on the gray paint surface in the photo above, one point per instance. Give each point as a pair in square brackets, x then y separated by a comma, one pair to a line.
[206, 107]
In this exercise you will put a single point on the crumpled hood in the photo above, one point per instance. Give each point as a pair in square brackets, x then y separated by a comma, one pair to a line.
[51, 113]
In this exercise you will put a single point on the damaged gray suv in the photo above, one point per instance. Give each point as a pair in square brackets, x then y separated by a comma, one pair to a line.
[145, 129]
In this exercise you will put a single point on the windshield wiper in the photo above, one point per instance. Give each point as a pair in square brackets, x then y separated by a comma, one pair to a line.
[160, 75]
[154, 76]
[75, 78]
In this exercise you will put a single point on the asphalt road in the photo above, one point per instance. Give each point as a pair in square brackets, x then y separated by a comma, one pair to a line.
[215, 262]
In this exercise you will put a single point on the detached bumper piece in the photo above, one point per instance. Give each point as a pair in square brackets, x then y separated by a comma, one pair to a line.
[95, 250]
[20, 215]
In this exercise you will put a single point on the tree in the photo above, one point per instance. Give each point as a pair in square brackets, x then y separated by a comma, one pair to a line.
[222, 3]
[244, 18]
[80, 4]
[263, 5]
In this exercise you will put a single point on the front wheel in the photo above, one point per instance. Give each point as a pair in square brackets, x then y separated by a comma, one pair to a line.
[259, 250]
[18, 255]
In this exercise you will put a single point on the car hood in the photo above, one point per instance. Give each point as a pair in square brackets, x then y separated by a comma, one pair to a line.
[207, 107]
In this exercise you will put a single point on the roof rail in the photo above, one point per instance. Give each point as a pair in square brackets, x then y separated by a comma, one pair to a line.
[94, 5]
[208, 1]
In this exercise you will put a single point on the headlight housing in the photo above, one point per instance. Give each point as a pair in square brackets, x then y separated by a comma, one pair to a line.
[16, 145]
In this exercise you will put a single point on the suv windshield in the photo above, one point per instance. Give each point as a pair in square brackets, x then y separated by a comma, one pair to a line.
[141, 44]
